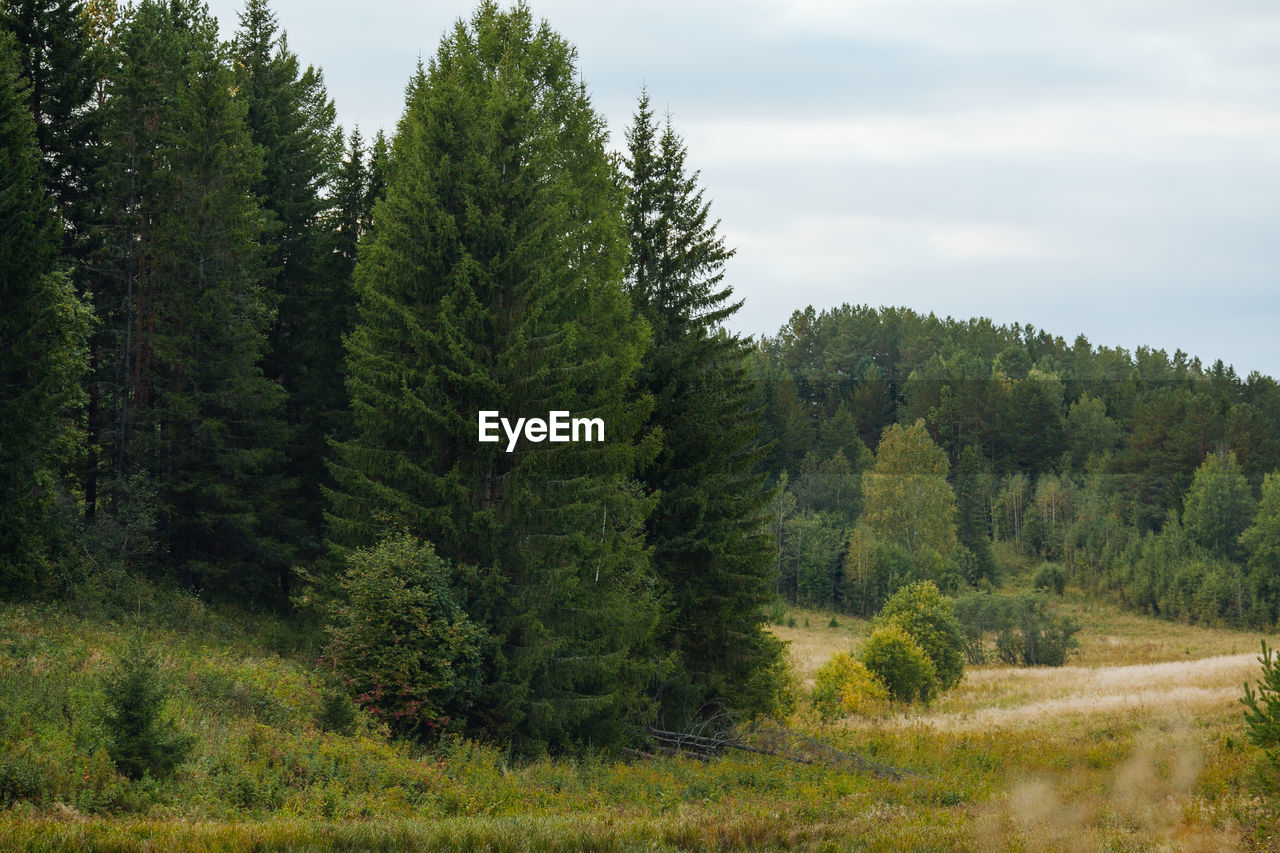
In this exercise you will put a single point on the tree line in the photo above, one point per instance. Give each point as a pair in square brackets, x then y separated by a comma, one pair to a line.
[254, 350]
[1145, 476]
[244, 353]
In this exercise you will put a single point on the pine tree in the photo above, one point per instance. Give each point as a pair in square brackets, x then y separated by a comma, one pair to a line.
[43, 344]
[63, 63]
[492, 281]
[291, 120]
[709, 531]
[190, 408]
[58, 59]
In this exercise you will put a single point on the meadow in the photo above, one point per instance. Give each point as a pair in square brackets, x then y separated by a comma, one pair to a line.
[1137, 744]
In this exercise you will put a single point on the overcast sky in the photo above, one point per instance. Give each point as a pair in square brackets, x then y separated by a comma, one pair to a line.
[1106, 167]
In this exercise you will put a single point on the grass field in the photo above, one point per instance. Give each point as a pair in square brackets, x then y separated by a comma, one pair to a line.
[1137, 745]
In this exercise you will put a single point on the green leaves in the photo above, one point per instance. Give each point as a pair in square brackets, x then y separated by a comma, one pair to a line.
[906, 498]
[1219, 504]
[406, 648]
[929, 618]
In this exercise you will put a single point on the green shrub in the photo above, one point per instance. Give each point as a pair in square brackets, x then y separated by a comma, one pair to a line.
[1050, 577]
[898, 662]
[1262, 708]
[337, 712]
[140, 739]
[20, 779]
[1035, 636]
[1028, 632]
[777, 612]
[401, 640]
[845, 686]
[929, 617]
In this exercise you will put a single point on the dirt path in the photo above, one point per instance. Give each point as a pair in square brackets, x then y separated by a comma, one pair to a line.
[1007, 697]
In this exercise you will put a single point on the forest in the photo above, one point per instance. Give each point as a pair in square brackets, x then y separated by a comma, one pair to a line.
[245, 349]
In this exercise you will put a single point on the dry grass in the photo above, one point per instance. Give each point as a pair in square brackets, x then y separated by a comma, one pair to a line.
[1126, 664]
[1111, 636]
[1138, 745]
[811, 645]
[1002, 697]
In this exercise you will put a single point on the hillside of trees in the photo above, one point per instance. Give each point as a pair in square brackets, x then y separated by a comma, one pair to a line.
[245, 349]
[907, 445]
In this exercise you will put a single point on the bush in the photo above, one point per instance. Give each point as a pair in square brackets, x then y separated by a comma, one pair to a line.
[140, 740]
[337, 712]
[1038, 638]
[1028, 633]
[845, 686]
[1050, 577]
[929, 617]
[402, 641]
[898, 662]
[1262, 709]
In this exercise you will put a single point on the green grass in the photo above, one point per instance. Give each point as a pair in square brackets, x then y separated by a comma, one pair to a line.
[265, 774]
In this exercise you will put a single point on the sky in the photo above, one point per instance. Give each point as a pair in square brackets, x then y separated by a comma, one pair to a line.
[1100, 167]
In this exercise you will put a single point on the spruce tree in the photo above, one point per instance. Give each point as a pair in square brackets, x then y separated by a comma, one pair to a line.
[291, 121]
[58, 59]
[190, 409]
[709, 532]
[492, 280]
[43, 344]
[62, 62]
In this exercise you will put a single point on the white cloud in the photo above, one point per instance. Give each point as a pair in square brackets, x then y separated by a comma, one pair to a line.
[1091, 166]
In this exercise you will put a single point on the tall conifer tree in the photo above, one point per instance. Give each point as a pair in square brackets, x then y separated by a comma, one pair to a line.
[63, 64]
[43, 343]
[292, 122]
[493, 281]
[709, 531]
[190, 407]
[58, 59]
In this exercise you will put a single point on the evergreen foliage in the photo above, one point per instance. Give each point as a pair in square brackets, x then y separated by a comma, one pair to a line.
[291, 121]
[492, 281]
[62, 66]
[141, 740]
[1262, 707]
[185, 401]
[711, 551]
[43, 347]
[972, 525]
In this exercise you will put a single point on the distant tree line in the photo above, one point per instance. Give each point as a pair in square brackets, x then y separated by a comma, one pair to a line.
[1147, 476]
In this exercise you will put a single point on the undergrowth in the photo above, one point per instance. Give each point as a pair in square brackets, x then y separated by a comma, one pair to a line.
[279, 763]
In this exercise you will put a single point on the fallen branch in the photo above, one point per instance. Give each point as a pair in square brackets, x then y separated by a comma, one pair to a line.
[772, 741]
